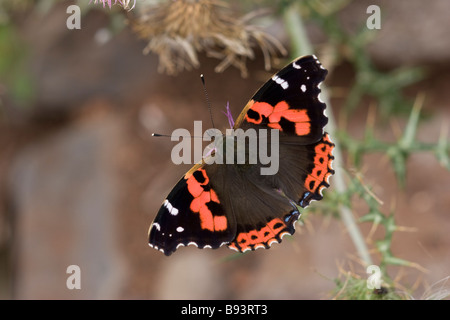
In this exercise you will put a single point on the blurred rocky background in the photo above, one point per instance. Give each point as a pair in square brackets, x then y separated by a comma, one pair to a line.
[81, 178]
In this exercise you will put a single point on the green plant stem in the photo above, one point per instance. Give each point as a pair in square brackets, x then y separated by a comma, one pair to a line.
[301, 46]
[345, 212]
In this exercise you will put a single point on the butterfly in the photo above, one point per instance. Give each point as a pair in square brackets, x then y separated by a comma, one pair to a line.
[234, 204]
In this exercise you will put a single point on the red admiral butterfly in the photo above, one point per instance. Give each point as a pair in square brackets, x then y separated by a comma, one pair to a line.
[234, 204]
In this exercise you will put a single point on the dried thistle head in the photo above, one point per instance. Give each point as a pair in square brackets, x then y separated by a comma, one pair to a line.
[123, 3]
[178, 30]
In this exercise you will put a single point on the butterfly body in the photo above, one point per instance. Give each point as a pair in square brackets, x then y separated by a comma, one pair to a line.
[238, 204]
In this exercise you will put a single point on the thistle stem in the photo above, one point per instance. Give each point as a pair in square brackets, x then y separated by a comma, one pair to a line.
[301, 46]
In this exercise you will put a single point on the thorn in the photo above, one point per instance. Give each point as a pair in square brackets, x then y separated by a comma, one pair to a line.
[411, 127]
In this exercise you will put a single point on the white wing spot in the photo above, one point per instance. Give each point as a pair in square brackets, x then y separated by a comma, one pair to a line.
[180, 229]
[172, 210]
[192, 243]
[157, 226]
[320, 99]
[303, 88]
[283, 83]
[318, 62]
[295, 65]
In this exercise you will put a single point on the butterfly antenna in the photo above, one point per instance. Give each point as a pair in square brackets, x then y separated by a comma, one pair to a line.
[207, 99]
[170, 136]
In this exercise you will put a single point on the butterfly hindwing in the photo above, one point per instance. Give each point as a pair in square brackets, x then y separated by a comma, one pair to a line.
[266, 207]
[263, 215]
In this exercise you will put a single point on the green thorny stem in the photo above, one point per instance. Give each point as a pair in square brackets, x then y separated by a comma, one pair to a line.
[301, 46]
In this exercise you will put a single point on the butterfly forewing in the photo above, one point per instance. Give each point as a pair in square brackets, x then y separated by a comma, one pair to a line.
[290, 102]
[192, 214]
